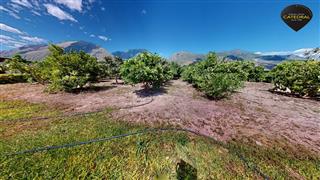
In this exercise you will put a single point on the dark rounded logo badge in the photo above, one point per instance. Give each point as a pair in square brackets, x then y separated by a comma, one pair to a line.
[296, 16]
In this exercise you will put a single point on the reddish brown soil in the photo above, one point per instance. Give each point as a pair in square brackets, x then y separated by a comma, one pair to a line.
[252, 113]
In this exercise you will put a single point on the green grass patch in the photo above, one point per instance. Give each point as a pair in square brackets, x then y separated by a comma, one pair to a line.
[147, 156]
[16, 110]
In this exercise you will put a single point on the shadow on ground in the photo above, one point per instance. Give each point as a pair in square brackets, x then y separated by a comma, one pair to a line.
[150, 92]
[93, 89]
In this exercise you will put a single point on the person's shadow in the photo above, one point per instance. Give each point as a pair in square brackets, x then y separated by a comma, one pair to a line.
[185, 171]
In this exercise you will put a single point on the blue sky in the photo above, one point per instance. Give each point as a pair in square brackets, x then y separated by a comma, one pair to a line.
[162, 26]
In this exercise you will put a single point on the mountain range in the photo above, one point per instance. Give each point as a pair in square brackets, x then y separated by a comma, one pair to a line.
[38, 52]
[267, 59]
[129, 53]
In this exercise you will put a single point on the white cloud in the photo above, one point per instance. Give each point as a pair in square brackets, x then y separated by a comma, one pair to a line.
[33, 39]
[14, 15]
[36, 3]
[35, 13]
[24, 3]
[3, 9]
[4, 37]
[15, 7]
[104, 38]
[9, 12]
[92, 35]
[58, 13]
[11, 43]
[71, 4]
[103, 8]
[7, 28]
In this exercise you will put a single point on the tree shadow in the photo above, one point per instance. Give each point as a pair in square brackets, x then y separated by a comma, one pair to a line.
[93, 89]
[149, 92]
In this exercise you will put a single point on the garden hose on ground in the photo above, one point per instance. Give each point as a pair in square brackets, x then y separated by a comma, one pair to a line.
[253, 167]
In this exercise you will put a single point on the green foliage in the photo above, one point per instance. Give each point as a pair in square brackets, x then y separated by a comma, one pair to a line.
[220, 85]
[17, 64]
[12, 78]
[188, 73]
[68, 71]
[248, 70]
[3, 69]
[217, 79]
[301, 77]
[147, 68]
[21, 66]
[175, 69]
[112, 66]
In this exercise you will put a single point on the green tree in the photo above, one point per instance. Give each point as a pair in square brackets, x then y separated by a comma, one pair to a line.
[17, 64]
[300, 77]
[2, 69]
[68, 71]
[147, 68]
[175, 69]
[113, 65]
[217, 79]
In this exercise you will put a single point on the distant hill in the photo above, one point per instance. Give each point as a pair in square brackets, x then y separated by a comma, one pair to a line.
[237, 54]
[128, 54]
[38, 52]
[185, 57]
[268, 59]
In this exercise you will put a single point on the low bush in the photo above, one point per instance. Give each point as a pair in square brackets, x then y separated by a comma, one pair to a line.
[111, 67]
[17, 65]
[147, 68]
[175, 69]
[217, 79]
[12, 78]
[67, 71]
[299, 77]
[2, 69]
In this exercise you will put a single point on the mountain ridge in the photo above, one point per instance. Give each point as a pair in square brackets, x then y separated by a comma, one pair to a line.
[267, 59]
[40, 51]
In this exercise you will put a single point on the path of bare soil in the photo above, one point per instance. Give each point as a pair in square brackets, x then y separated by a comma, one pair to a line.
[252, 113]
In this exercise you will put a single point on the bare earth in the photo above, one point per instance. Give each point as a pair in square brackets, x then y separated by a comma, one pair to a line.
[252, 113]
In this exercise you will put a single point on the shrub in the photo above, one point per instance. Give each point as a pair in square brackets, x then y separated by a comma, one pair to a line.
[17, 65]
[112, 66]
[12, 78]
[220, 85]
[217, 79]
[300, 77]
[188, 72]
[68, 71]
[147, 68]
[2, 69]
[248, 70]
[175, 69]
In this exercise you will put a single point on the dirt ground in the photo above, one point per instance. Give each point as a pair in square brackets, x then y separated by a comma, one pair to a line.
[252, 113]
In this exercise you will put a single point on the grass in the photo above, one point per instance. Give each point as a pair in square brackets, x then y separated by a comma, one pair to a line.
[147, 156]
